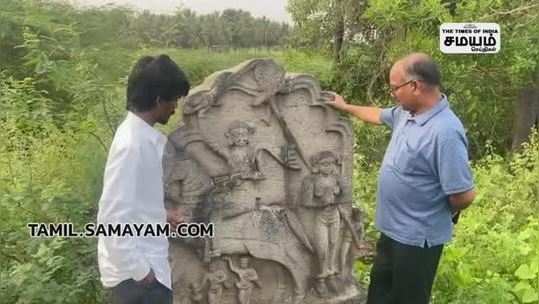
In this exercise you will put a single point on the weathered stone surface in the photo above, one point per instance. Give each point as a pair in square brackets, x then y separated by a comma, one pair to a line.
[261, 155]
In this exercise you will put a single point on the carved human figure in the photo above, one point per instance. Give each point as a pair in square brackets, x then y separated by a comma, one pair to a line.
[248, 278]
[187, 189]
[356, 219]
[187, 186]
[215, 278]
[195, 291]
[320, 191]
[241, 155]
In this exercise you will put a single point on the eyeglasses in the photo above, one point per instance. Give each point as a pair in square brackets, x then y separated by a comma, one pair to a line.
[395, 89]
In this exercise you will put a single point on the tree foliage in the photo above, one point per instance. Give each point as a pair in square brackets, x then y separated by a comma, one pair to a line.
[378, 32]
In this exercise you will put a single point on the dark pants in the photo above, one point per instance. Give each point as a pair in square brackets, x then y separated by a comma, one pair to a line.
[402, 274]
[131, 292]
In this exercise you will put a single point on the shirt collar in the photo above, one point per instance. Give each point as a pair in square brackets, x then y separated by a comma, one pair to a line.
[424, 117]
[155, 136]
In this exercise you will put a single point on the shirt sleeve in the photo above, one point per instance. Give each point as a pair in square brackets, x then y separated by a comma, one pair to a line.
[118, 205]
[453, 164]
[390, 116]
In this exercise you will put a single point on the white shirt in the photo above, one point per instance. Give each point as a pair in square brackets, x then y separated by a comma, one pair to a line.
[133, 193]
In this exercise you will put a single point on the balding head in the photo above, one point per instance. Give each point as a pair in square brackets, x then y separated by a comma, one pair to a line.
[415, 82]
[420, 66]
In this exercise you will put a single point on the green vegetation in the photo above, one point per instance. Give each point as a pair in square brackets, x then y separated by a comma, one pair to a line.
[366, 36]
[62, 79]
[494, 257]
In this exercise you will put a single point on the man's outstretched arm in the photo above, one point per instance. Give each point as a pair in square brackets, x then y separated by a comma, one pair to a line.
[367, 114]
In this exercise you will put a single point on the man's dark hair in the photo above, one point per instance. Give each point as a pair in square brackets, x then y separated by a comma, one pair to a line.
[153, 77]
[424, 69]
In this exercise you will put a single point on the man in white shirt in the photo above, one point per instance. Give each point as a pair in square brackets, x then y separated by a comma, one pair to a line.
[136, 269]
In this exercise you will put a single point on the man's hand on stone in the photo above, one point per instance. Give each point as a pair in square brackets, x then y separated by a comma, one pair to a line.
[338, 102]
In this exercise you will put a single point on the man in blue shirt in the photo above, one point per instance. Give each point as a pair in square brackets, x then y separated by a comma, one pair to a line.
[424, 182]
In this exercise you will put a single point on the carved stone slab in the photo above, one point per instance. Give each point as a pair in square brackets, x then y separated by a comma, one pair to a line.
[261, 156]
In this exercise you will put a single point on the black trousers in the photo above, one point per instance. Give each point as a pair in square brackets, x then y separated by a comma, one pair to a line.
[130, 292]
[402, 274]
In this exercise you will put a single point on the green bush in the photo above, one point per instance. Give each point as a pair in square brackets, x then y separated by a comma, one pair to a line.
[494, 256]
[47, 174]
